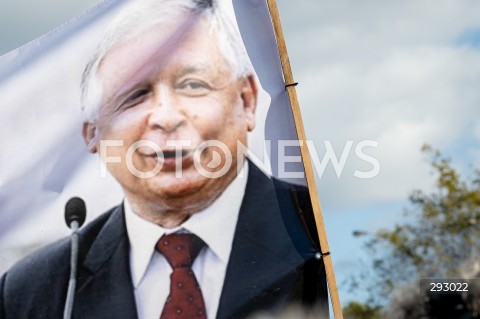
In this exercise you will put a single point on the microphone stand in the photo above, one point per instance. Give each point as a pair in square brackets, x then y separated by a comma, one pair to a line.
[67, 314]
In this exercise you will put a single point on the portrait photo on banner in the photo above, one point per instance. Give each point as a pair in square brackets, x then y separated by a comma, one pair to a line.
[169, 123]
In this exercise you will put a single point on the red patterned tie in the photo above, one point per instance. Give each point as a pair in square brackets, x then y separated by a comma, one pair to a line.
[185, 300]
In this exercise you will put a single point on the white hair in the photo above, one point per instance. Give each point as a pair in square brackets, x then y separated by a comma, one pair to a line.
[140, 16]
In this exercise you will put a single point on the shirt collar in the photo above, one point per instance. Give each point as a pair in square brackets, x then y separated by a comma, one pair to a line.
[215, 225]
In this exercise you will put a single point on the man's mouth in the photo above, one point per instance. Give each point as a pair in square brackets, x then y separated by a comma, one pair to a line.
[172, 154]
[172, 159]
[168, 154]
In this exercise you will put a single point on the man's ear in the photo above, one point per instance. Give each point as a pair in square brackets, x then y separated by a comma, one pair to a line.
[249, 94]
[90, 135]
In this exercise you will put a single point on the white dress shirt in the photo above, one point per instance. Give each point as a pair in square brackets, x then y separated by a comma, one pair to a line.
[150, 271]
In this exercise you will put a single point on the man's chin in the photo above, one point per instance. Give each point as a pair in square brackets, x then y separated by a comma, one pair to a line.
[168, 185]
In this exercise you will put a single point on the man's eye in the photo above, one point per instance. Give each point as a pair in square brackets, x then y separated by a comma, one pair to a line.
[135, 97]
[194, 88]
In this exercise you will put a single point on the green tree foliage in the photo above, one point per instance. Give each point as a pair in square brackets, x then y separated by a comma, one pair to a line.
[439, 232]
[356, 310]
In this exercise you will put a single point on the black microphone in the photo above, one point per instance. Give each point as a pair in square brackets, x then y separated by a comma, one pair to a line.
[75, 210]
[75, 213]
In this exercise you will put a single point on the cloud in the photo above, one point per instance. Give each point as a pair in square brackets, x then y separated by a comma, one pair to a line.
[392, 72]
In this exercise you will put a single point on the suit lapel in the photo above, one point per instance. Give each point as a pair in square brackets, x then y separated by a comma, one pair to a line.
[104, 287]
[263, 266]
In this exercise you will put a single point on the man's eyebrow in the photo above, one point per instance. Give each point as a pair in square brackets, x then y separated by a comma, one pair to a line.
[193, 70]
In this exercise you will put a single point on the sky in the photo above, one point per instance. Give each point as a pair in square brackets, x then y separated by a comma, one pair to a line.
[400, 73]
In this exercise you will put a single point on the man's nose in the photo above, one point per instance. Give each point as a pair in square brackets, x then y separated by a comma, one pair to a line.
[166, 115]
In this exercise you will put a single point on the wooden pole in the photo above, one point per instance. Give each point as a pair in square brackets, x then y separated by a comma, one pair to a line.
[317, 210]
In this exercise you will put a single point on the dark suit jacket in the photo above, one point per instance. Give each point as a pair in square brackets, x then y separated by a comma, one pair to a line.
[272, 263]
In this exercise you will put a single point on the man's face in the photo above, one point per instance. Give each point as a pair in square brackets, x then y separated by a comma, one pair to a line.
[170, 84]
